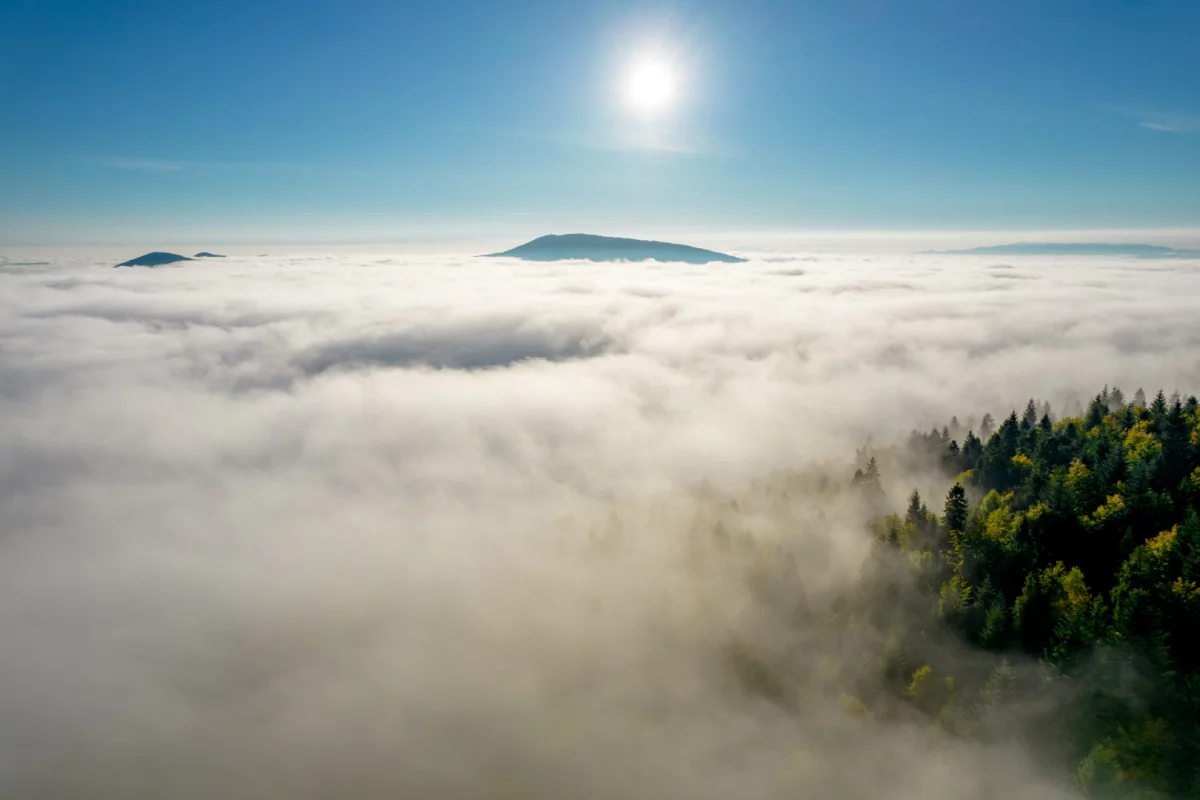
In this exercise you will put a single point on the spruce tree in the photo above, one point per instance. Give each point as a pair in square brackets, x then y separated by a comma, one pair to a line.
[955, 518]
[1030, 417]
[1158, 409]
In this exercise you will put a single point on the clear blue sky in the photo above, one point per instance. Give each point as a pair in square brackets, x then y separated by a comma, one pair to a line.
[800, 114]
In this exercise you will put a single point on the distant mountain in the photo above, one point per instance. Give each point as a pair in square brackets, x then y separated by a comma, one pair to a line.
[608, 248]
[153, 260]
[1072, 249]
[208, 255]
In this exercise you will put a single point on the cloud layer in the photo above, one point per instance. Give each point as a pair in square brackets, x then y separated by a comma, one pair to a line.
[382, 526]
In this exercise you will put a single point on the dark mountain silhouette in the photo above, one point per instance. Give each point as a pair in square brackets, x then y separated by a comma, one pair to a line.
[153, 260]
[608, 248]
[207, 254]
[1073, 249]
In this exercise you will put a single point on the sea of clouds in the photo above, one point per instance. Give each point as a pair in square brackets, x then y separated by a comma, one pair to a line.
[416, 526]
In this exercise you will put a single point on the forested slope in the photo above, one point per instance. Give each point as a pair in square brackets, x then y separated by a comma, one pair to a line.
[1066, 555]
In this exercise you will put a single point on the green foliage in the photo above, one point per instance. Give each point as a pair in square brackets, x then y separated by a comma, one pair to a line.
[1083, 552]
[956, 509]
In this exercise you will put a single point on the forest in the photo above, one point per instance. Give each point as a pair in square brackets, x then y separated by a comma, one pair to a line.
[1053, 595]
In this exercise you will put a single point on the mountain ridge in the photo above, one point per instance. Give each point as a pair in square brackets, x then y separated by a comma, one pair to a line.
[155, 259]
[591, 247]
[1071, 249]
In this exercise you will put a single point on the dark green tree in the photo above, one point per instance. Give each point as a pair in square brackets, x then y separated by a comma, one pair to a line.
[1158, 409]
[955, 518]
[1030, 417]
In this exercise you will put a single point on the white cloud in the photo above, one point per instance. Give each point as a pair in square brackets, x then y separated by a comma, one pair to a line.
[1162, 121]
[1159, 126]
[326, 525]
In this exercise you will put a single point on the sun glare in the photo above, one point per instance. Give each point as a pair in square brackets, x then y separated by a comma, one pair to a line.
[649, 85]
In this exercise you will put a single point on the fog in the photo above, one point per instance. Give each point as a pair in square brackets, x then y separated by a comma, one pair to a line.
[426, 526]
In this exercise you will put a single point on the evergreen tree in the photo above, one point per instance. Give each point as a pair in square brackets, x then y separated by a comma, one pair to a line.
[952, 458]
[1187, 545]
[912, 514]
[1097, 409]
[955, 518]
[868, 483]
[986, 427]
[1176, 446]
[1139, 398]
[1158, 409]
[1030, 417]
[972, 451]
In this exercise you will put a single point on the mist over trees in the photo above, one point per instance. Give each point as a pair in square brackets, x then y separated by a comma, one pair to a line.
[1066, 557]
[306, 527]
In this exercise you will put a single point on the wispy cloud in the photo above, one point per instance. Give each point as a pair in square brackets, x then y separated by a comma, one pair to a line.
[1161, 121]
[143, 164]
[1158, 126]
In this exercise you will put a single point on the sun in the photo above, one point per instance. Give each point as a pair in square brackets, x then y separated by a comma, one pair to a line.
[650, 85]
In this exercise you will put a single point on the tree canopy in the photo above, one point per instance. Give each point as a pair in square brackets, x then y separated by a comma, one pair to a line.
[1074, 544]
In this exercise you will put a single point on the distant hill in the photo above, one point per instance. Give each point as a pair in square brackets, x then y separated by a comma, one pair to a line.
[1072, 249]
[208, 255]
[153, 260]
[608, 248]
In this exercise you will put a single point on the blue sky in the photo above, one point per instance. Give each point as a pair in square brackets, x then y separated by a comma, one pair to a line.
[150, 117]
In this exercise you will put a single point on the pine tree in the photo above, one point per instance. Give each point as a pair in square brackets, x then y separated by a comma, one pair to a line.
[872, 471]
[1139, 398]
[987, 426]
[951, 458]
[1175, 438]
[868, 483]
[1030, 417]
[955, 518]
[913, 514]
[972, 450]
[1158, 409]
[1096, 411]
